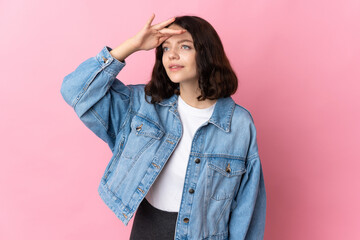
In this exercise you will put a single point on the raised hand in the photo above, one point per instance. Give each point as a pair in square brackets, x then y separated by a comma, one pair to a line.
[150, 37]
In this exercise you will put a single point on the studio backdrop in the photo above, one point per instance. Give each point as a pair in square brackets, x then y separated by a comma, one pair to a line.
[297, 63]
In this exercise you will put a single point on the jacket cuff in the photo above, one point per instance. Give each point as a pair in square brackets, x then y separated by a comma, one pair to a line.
[108, 62]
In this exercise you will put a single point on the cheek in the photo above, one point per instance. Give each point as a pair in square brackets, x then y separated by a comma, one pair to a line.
[164, 63]
[189, 59]
[192, 61]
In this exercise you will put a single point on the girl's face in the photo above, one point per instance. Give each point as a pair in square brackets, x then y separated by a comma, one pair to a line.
[179, 57]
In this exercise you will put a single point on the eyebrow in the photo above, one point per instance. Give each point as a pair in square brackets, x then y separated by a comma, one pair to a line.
[181, 41]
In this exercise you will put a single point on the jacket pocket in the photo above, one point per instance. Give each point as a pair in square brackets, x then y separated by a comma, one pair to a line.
[143, 133]
[138, 146]
[224, 177]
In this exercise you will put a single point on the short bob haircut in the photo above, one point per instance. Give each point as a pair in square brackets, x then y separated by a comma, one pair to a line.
[216, 77]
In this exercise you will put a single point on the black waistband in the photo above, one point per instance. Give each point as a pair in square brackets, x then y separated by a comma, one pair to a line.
[153, 223]
[148, 204]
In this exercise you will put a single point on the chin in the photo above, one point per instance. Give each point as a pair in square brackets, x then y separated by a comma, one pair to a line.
[176, 80]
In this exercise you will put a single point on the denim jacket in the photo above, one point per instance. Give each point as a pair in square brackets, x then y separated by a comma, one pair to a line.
[224, 193]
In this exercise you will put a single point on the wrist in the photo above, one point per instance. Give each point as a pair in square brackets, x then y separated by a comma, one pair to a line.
[124, 50]
[133, 45]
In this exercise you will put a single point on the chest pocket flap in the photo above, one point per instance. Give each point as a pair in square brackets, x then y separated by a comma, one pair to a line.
[224, 177]
[145, 127]
[227, 167]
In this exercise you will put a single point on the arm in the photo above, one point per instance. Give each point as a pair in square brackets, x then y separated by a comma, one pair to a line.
[100, 100]
[247, 220]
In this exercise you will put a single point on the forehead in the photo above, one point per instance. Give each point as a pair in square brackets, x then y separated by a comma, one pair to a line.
[178, 37]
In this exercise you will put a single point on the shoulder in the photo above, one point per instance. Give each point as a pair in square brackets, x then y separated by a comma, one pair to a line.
[242, 114]
[138, 88]
[141, 103]
[243, 121]
[138, 93]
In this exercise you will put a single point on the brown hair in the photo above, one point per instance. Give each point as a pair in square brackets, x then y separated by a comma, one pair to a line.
[216, 76]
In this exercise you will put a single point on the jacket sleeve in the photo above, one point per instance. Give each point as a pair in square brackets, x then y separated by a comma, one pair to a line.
[100, 100]
[247, 220]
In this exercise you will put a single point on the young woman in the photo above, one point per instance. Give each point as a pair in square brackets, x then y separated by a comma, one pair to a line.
[185, 156]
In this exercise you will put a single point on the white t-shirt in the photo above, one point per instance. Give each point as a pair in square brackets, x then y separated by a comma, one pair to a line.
[166, 192]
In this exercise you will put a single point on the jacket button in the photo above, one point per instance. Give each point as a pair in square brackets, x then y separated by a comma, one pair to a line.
[186, 220]
[228, 169]
[138, 128]
[191, 190]
[197, 160]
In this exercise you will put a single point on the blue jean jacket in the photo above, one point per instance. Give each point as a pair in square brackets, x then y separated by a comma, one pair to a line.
[224, 168]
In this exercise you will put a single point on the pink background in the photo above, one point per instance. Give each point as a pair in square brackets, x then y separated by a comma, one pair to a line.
[298, 69]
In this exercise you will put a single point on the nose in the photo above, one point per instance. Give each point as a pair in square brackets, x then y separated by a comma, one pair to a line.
[173, 54]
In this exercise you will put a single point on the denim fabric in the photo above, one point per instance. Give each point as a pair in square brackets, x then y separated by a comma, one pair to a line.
[224, 168]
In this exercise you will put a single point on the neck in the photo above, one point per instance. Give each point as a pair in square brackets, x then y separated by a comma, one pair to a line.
[189, 93]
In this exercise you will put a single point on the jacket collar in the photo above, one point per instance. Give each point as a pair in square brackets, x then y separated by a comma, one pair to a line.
[221, 116]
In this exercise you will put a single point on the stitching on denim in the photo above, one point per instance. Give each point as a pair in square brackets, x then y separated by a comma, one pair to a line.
[108, 71]
[221, 198]
[124, 207]
[146, 146]
[226, 130]
[246, 111]
[116, 158]
[104, 66]
[99, 118]
[218, 235]
[231, 114]
[156, 136]
[149, 120]
[254, 156]
[85, 88]
[220, 215]
[102, 122]
[222, 172]
[228, 120]
[134, 160]
[211, 155]
[129, 111]
[160, 133]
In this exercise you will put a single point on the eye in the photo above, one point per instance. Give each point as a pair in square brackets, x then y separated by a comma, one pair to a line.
[186, 46]
[165, 49]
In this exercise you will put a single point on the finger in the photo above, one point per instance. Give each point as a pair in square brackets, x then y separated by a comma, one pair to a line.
[148, 24]
[163, 24]
[162, 39]
[168, 31]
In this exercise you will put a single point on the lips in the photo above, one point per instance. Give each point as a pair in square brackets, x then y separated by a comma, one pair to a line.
[175, 67]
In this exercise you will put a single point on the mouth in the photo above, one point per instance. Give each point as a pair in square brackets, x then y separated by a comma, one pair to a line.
[175, 67]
